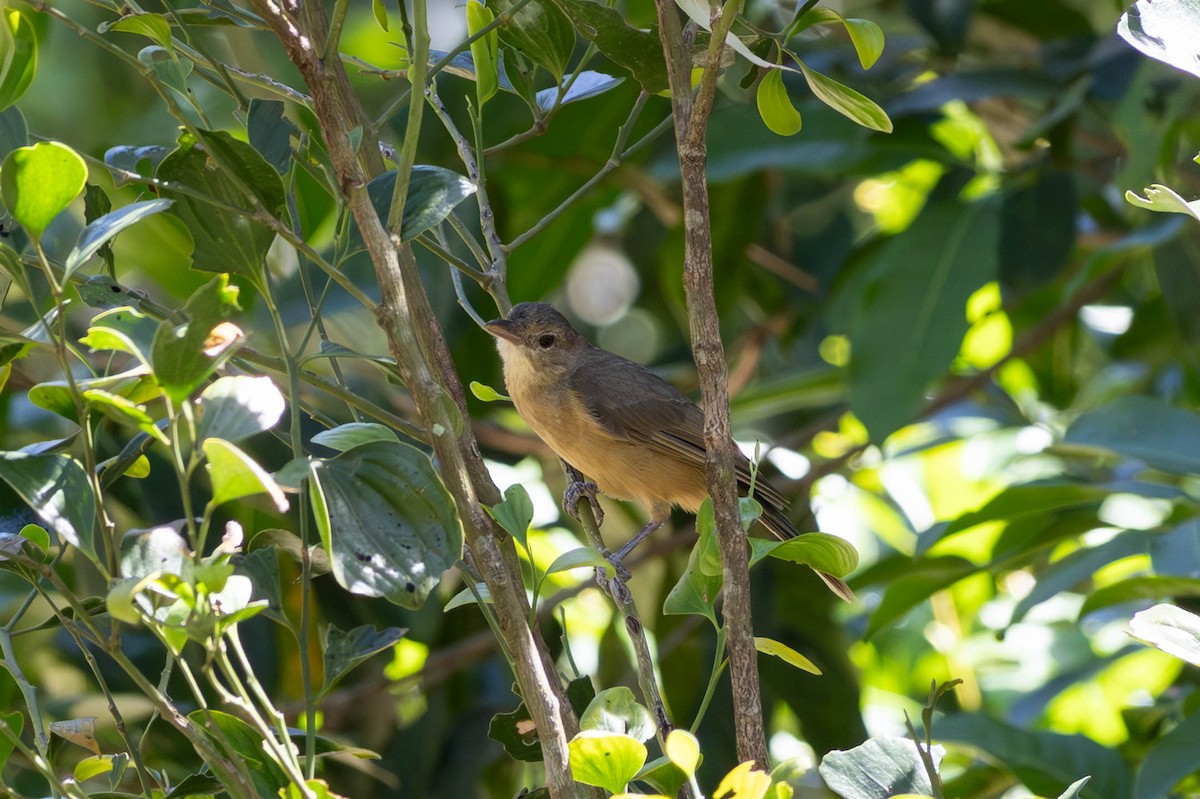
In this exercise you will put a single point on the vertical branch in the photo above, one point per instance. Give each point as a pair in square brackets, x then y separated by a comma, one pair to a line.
[691, 123]
[420, 352]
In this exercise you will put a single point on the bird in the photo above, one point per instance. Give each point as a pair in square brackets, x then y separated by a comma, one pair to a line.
[635, 435]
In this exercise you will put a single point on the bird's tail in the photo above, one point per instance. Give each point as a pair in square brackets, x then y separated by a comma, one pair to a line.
[782, 528]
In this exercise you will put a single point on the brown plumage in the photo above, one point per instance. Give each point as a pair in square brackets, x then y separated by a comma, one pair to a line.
[617, 422]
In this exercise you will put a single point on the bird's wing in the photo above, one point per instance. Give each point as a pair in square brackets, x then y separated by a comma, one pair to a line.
[652, 412]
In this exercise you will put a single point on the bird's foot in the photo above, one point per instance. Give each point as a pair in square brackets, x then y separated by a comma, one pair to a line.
[580, 488]
[632, 543]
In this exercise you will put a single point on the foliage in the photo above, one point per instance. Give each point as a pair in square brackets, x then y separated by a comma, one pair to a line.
[945, 304]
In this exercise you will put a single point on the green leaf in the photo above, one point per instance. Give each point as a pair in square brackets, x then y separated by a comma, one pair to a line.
[13, 131]
[124, 411]
[580, 557]
[433, 192]
[865, 35]
[820, 551]
[270, 132]
[56, 488]
[584, 85]
[1075, 789]
[605, 760]
[774, 105]
[350, 435]
[167, 66]
[1164, 199]
[878, 769]
[235, 475]
[616, 710]
[14, 722]
[1140, 588]
[380, 13]
[684, 751]
[638, 51]
[924, 579]
[1171, 629]
[1170, 759]
[1166, 30]
[91, 767]
[540, 31]
[785, 653]
[343, 650]
[486, 393]
[514, 513]
[225, 240]
[102, 230]
[847, 101]
[696, 592]
[156, 550]
[38, 182]
[240, 742]
[18, 56]
[1045, 762]
[517, 733]
[485, 52]
[239, 406]
[468, 597]
[1163, 436]
[909, 319]
[135, 385]
[392, 528]
[153, 26]
[184, 355]
[37, 536]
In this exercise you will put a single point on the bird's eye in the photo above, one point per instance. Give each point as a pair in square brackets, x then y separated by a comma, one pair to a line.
[546, 340]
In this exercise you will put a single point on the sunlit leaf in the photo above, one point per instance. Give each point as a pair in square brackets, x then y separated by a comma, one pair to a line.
[1171, 629]
[684, 751]
[1167, 30]
[235, 475]
[581, 557]
[877, 769]
[785, 653]
[514, 513]
[616, 710]
[239, 406]
[102, 230]
[350, 435]
[582, 86]
[484, 51]
[774, 105]
[743, 782]
[866, 35]
[153, 26]
[18, 56]
[847, 101]
[539, 30]
[606, 760]
[486, 393]
[56, 488]
[38, 182]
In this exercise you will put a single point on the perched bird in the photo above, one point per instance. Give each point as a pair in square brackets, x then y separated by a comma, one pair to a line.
[633, 433]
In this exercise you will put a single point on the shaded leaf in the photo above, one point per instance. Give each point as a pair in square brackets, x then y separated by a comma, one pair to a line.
[1161, 435]
[18, 56]
[616, 710]
[540, 31]
[56, 488]
[270, 132]
[925, 578]
[343, 650]
[1170, 759]
[433, 192]
[638, 51]
[514, 513]
[485, 51]
[350, 435]
[878, 769]
[81, 732]
[102, 230]
[181, 353]
[586, 84]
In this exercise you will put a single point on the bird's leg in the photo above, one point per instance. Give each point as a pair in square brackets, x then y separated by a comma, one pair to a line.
[629, 546]
[578, 486]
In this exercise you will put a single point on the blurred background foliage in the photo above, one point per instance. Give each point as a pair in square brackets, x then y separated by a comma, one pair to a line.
[926, 331]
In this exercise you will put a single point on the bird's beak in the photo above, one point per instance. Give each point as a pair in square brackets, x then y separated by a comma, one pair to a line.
[502, 328]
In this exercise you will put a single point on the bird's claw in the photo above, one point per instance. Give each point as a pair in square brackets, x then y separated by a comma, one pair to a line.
[577, 489]
[623, 573]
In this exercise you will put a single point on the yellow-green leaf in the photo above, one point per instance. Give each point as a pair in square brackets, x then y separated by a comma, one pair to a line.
[38, 182]
[684, 751]
[485, 51]
[769, 646]
[774, 105]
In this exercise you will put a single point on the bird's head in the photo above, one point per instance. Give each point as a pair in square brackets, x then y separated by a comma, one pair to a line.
[536, 336]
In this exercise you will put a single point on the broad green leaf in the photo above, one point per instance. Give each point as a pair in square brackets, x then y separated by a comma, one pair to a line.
[584, 85]
[56, 488]
[1163, 436]
[774, 105]
[91, 767]
[185, 355]
[235, 475]
[38, 182]
[638, 51]
[514, 513]
[225, 240]
[468, 597]
[262, 567]
[1046, 762]
[517, 733]
[487, 393]
[606, 760]
[846, 101]
[38, 536]
[909, 317]
[138, 160]
[13, 131]
[154, 27]
[616, 710]
[124, 411]
[433, 192]
[926, 577]
[1140, 588]
[684, 751]
[866, 36]
[707, 545]
[878, 769]
[18, 56]
[1164, 199]
[1037, 229]
[696, 592]
[1171, 629]
[289, 543]
[102, 230]
[1167, 30]
[156, 550]
[343, 650]
[485, 52]
[136, 385]
[168, 66]
[820, 551]
[540, 31]
[270, 132]
[1169, 760]
[390, 526]
[579, 558]
[350, 435]
[240, 742]
[1079, 566]
[785, 653]
[239, 406]
[14, 722]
